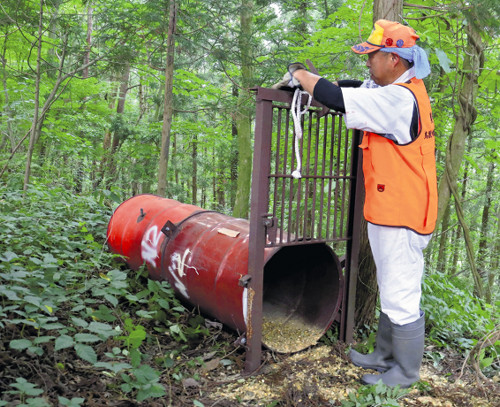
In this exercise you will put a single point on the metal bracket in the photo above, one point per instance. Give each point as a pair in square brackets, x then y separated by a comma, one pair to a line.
[141, 216]
[169, 229]
[270, 221]
[244, 280]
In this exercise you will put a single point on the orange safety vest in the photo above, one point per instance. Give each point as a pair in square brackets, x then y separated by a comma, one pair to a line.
[400, 180]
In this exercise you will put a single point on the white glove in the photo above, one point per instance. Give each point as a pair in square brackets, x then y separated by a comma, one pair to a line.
[288, 81]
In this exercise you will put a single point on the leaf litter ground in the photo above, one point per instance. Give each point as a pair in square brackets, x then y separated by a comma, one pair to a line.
[210, 373]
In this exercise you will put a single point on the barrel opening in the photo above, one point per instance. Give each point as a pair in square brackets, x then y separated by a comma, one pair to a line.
[301, 296]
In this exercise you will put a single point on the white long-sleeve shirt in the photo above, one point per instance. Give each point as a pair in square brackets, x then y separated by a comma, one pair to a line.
[386, 110]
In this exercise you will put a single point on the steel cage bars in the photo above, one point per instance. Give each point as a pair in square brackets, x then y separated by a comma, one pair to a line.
[323, 206]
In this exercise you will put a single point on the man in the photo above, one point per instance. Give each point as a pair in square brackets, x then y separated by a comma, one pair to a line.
[393, 110]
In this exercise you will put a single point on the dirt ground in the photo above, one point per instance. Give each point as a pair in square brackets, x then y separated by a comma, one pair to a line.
[323, 376]
[211, 374]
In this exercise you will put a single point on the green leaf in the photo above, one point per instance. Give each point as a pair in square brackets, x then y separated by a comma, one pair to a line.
[26, 387]
[52, 325]
[74, 402]
[36, 350]
[43, 339]
[135, 357]
[80, 322]
[380, 387]
[145, 374]
[486, 362]
[63, 342]
[48, 258]
[126, 387]
[102, 329]
[20, 344]
[37, 402]
[87, 338]
[86, 352]
[155, 390]
[10, 294]
[444, 61]
[111, 299]
[163, 303]
[175, 329]
[145, 314]
[136, 337]
[33, 300]
[114, 367]
[104, 313]
[8, 256]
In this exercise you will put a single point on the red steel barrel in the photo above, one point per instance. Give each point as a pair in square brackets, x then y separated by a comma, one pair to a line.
[204, 254]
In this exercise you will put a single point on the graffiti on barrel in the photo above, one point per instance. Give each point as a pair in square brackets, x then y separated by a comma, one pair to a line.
[149, 252]
[176, 270]
[149, 245]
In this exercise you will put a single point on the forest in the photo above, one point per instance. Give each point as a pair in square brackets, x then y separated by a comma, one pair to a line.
[105, 100]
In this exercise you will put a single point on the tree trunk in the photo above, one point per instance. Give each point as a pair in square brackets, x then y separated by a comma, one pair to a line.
[194, 164]
[120, 107]
[174, 154]
[243, 113]
[90, 12]
[9, 137]
[366, 286]
[234, 155]
[302, 19]
[494, 259]
[458, 235]
[482, 255]
[464, 119]
[106, 142]
[473, 62]
[35, 126]
[119, 134]
[388, 10]
[443, 241]
[168, 106]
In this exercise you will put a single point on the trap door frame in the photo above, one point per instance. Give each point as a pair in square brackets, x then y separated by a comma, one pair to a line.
[266, 226]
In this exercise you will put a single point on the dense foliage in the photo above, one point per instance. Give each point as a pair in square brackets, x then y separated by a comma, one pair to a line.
[65, 297]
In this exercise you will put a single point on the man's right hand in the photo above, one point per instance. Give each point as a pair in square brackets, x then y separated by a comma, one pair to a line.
[288, 80]
[296, 66]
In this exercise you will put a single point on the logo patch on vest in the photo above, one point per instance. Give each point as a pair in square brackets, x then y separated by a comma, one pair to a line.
[380, 187]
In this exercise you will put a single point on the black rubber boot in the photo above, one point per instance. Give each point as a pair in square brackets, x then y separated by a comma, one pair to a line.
[381, 358]
[408, 350]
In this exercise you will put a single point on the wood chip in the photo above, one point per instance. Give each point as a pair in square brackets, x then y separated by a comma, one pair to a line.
[288, 335]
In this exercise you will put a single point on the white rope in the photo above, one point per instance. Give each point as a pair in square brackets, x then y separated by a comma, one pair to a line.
[296, 115]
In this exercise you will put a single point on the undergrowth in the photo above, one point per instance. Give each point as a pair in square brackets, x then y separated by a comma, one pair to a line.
[455, 319]
[65, 301]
